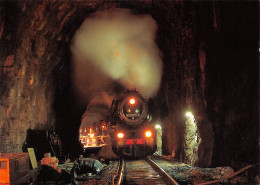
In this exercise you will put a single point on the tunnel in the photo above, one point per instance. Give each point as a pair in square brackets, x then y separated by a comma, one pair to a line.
[209, 53]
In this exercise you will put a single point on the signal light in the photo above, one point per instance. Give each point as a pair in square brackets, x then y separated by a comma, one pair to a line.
[132, 101]
[120, 135]
[148, 133]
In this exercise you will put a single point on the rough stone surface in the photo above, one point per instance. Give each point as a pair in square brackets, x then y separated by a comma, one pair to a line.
[187, 174]
[26, 82]
[181, 64]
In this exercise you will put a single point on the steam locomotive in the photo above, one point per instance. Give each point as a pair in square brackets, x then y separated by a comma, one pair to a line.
[131, 131]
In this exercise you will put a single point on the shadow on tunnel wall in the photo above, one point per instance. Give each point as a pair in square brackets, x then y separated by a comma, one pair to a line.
[67, 106]
[232, 77]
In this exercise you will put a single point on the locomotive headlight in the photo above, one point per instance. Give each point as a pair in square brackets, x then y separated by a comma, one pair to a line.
[148, 133]
[120, 135]
[132, 101]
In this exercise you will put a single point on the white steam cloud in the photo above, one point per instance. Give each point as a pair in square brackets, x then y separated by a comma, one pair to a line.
[115, 45]
[98, 109]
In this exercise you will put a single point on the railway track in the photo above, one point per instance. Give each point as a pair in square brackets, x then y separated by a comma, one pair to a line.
[143, 171]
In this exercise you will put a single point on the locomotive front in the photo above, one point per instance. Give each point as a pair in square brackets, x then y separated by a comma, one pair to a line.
[132, 133]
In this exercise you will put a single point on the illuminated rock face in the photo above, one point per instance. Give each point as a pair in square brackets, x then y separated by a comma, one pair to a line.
[210, 67]
[192, 140]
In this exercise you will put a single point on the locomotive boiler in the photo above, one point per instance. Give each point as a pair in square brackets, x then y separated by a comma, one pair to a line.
[132, 132]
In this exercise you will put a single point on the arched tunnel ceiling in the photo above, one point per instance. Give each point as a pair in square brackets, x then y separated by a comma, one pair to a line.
[210, 67]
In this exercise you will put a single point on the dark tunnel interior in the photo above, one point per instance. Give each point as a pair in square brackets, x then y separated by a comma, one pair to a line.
[210, 66]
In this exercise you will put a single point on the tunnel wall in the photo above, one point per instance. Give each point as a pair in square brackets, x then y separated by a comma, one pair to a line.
[183, 82]
[26, 87]
[229, 37]
[34, 69]
[211, 68]
[36, 89]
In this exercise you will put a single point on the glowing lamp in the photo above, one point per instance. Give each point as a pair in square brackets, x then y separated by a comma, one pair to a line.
[91, 136]
[148, 133]
[120, 135]
[132, 101]
[158, 126]
[189, 114]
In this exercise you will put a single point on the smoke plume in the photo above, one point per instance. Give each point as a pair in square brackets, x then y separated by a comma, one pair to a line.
[98, 109]
[115, 45]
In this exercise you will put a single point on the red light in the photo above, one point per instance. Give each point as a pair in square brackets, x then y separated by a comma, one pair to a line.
[120, 135]
[129, 142]
[140, 141]
[132, 101]
[148, 133]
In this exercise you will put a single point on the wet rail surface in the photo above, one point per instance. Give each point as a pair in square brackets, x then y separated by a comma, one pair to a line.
[143, 171]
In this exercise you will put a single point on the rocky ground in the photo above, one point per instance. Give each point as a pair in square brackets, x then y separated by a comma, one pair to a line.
[105, 177]
[186, 174]
[182, 173]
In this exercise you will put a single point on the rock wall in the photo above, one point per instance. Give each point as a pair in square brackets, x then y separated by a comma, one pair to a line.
[210, 69]
[228, 38]
[25, 101]
[30, 59]
[183, 83]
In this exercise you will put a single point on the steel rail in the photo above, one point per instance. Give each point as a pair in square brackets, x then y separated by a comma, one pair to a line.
[158, 168]
[120, 173]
